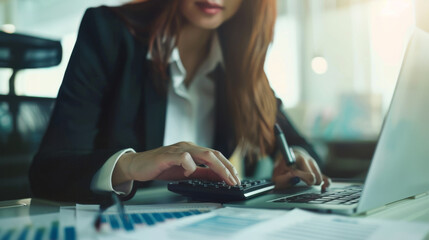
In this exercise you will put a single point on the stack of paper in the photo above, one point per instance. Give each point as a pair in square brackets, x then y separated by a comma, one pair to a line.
[235, 223]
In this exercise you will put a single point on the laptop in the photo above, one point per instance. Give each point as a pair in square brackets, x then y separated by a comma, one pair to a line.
[400, 165]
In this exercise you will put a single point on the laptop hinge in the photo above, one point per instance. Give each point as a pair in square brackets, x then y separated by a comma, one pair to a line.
[372, 211]
[419, 195]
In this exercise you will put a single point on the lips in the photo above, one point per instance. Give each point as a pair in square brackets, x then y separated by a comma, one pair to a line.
[209, 8]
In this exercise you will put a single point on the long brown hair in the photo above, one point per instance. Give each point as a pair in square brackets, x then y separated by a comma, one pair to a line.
[244, 40]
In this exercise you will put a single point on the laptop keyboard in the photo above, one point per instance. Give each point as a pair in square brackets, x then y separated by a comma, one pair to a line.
[343, 197]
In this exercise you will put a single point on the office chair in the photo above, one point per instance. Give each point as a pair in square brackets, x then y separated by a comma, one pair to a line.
[18, 51]
[19, 143]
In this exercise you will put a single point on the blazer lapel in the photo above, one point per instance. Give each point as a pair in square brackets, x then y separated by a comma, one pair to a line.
[224, 131]
[155, 112]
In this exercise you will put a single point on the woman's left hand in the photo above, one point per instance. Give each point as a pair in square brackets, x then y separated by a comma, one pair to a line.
[306, 169]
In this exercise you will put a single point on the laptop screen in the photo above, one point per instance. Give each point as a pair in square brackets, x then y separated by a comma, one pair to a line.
[400, 166]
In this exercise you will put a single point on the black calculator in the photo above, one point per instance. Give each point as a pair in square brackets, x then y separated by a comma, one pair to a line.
[220, 191]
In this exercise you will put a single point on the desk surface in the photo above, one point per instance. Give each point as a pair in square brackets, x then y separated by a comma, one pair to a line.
[413, 209]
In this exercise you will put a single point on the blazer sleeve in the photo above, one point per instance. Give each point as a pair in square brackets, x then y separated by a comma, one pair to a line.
[69, 155]
[294, 138]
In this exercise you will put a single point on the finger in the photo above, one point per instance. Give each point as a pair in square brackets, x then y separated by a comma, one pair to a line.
[305, 170]
[208, 158]
[187, 163]
[183, 161]
[228, 165]
[326, 182]
[205, 174]
[316, 170]
[307, 177]
[175, 173]
[284, 180]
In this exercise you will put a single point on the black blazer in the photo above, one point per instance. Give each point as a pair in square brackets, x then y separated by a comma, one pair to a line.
[107, 102]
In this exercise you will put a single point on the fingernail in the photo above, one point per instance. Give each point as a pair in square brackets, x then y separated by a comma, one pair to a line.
[295, 180]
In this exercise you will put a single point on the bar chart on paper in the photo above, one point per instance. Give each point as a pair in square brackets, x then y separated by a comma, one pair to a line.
[40, 227]
[137, 220]
[78, 222]
[136, 217]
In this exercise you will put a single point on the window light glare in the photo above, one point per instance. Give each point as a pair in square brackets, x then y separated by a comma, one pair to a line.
[319, 65]
[8, 28]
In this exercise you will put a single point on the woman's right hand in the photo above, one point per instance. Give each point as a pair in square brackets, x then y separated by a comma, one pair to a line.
[175, 162]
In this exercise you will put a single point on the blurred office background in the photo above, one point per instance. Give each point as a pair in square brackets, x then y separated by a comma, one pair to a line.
[334, 63]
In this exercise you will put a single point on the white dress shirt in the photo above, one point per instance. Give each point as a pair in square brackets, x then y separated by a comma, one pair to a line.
[190, 113]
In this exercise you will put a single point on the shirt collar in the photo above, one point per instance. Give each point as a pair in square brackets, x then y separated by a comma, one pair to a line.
[214, 57]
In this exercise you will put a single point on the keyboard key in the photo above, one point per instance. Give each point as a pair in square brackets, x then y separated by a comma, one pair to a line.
[339, 197]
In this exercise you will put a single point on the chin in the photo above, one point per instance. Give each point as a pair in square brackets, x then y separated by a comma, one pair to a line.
[209, 25]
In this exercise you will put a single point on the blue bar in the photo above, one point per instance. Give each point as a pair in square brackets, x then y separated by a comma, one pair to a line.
[114, 222]
[195, 212]
[146, 217]
[158, 217]
[53, 235]
[24, 233]
[187, 213]
[69, 233]
[39, 233]
[136, 218]
[8, 234]
[126, 222]
[103, 219]
[177, 214]
[167, 215]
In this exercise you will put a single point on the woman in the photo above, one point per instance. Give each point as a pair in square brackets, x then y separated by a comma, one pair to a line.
[152, 88]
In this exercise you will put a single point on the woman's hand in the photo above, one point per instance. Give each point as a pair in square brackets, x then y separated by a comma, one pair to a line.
[306, 169]
[175, 162]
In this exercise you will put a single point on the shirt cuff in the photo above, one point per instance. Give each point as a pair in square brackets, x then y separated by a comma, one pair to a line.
[102, 180]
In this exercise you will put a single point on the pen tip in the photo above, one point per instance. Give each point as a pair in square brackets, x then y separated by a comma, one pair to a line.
[97, 223]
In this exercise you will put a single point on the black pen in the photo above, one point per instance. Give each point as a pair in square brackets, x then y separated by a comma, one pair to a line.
[288, 155]
[128, 226]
